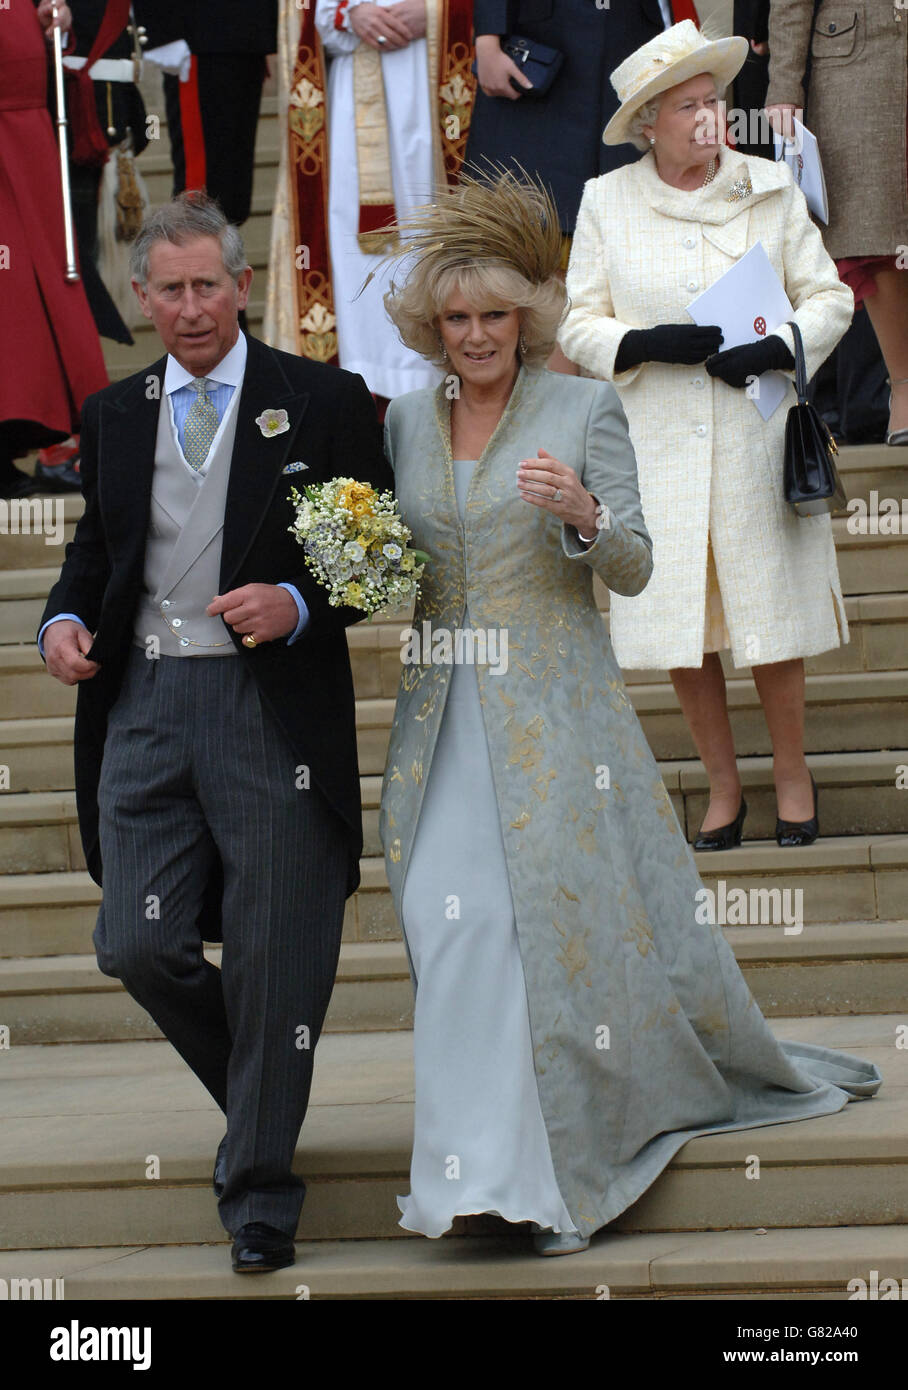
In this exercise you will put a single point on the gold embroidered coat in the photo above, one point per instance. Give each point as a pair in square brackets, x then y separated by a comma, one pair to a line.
[644, 1032]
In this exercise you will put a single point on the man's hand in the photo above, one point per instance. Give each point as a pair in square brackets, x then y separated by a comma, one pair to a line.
[373, 22]
[65, 645]
[413, 14]
[265, 610]
[495, 69]
[45, 13]
[781, 117]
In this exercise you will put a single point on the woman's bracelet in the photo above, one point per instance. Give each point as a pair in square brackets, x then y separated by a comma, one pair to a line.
[602, 522]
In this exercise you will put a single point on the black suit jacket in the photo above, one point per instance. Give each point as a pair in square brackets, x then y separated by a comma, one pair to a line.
[307, 686]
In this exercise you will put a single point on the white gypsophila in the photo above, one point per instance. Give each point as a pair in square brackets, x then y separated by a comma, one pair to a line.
[354, 543]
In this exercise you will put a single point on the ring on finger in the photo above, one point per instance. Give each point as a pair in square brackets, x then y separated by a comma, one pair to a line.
[556, 495]
[382, 39]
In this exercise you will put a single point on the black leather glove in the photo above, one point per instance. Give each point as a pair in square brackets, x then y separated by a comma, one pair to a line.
[668, 342]
[734, 366]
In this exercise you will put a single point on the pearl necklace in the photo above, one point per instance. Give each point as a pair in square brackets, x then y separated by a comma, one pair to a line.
[710, 173]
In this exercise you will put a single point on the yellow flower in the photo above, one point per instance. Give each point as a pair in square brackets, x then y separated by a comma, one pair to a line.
[357, 498]
[353, 594]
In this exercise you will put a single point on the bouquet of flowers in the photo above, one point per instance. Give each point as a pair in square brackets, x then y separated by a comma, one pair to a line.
[356, 544]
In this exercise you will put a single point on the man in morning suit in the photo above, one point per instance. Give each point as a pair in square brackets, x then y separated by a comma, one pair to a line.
[216, 772]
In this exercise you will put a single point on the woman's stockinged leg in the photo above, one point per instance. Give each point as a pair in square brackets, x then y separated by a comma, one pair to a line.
[888, 312]
[701, 695]
[780, 685]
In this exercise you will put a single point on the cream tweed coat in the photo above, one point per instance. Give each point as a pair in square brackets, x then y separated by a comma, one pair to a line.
[708, 465]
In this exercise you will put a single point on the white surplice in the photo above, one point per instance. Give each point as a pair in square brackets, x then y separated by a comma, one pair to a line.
[367, 340]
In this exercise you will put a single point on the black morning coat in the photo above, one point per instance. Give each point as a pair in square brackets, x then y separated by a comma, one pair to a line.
[308, 685]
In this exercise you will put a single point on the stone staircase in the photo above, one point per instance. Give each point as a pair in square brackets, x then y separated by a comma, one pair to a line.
[94, 1102]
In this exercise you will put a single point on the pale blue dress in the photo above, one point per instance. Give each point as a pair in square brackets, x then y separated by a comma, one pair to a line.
[480, 1143]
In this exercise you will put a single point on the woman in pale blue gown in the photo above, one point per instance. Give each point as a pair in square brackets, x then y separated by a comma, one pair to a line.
[576, 1019]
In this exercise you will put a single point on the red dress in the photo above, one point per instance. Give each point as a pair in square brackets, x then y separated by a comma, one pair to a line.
[50, 354]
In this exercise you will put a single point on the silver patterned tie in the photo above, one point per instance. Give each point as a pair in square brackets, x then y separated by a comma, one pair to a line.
[201, 424]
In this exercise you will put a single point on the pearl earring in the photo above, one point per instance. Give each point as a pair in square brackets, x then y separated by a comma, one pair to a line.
[444, 351]
[523, 345]
[652, 140]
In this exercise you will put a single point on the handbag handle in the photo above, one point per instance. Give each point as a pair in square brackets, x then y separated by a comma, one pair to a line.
[800, 363]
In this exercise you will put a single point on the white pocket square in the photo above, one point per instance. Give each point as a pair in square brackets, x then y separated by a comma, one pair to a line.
[295, 467]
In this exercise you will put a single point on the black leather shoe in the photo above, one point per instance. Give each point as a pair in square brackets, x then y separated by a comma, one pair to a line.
[726, 836]
[15, 483]
[220, 1169]
[257, 1248]
[799, 832]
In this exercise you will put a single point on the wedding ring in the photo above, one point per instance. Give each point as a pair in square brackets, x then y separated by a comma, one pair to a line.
[557, 496]
[249, 640]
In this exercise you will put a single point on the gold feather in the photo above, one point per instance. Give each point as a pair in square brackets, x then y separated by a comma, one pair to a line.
[493, 214]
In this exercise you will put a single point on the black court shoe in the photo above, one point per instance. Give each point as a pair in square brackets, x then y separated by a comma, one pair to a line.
[799, 832]
[726, 836]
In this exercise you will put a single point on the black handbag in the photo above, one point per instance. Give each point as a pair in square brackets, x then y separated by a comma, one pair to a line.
[811, 479]
[538, 62]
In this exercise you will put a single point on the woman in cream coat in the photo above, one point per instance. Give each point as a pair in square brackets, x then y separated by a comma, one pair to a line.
[733, 565]
[578, 1017]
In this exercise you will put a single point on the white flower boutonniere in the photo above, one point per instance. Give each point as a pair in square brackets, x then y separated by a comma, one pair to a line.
[273, 422]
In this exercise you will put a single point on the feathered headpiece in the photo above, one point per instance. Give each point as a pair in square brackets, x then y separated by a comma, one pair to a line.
[493, 214]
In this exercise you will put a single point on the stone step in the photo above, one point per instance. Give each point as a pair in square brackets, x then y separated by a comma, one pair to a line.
[868, 563]
[864, 468]
[753, 1265]
[39, 829]
[878, 636]
[826, 968]
[844, 712]
[859, 795]
[64, 999]
[81, 1124]
[855, 878]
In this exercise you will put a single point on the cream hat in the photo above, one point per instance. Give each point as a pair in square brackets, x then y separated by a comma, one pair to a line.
[667, 60]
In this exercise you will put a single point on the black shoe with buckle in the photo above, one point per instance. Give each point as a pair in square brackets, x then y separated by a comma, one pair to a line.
[799, 832]
[726, 836]
[257, 1248]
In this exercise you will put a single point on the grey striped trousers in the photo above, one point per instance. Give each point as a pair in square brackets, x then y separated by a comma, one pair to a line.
[194, 767]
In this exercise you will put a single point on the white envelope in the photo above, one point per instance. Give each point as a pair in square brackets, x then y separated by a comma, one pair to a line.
[748, 303]
[802, 155]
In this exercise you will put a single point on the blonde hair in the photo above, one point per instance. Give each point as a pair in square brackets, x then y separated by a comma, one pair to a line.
[415, 307]
[495, 237]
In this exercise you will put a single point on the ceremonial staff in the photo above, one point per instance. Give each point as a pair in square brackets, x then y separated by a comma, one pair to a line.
[71, 271]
